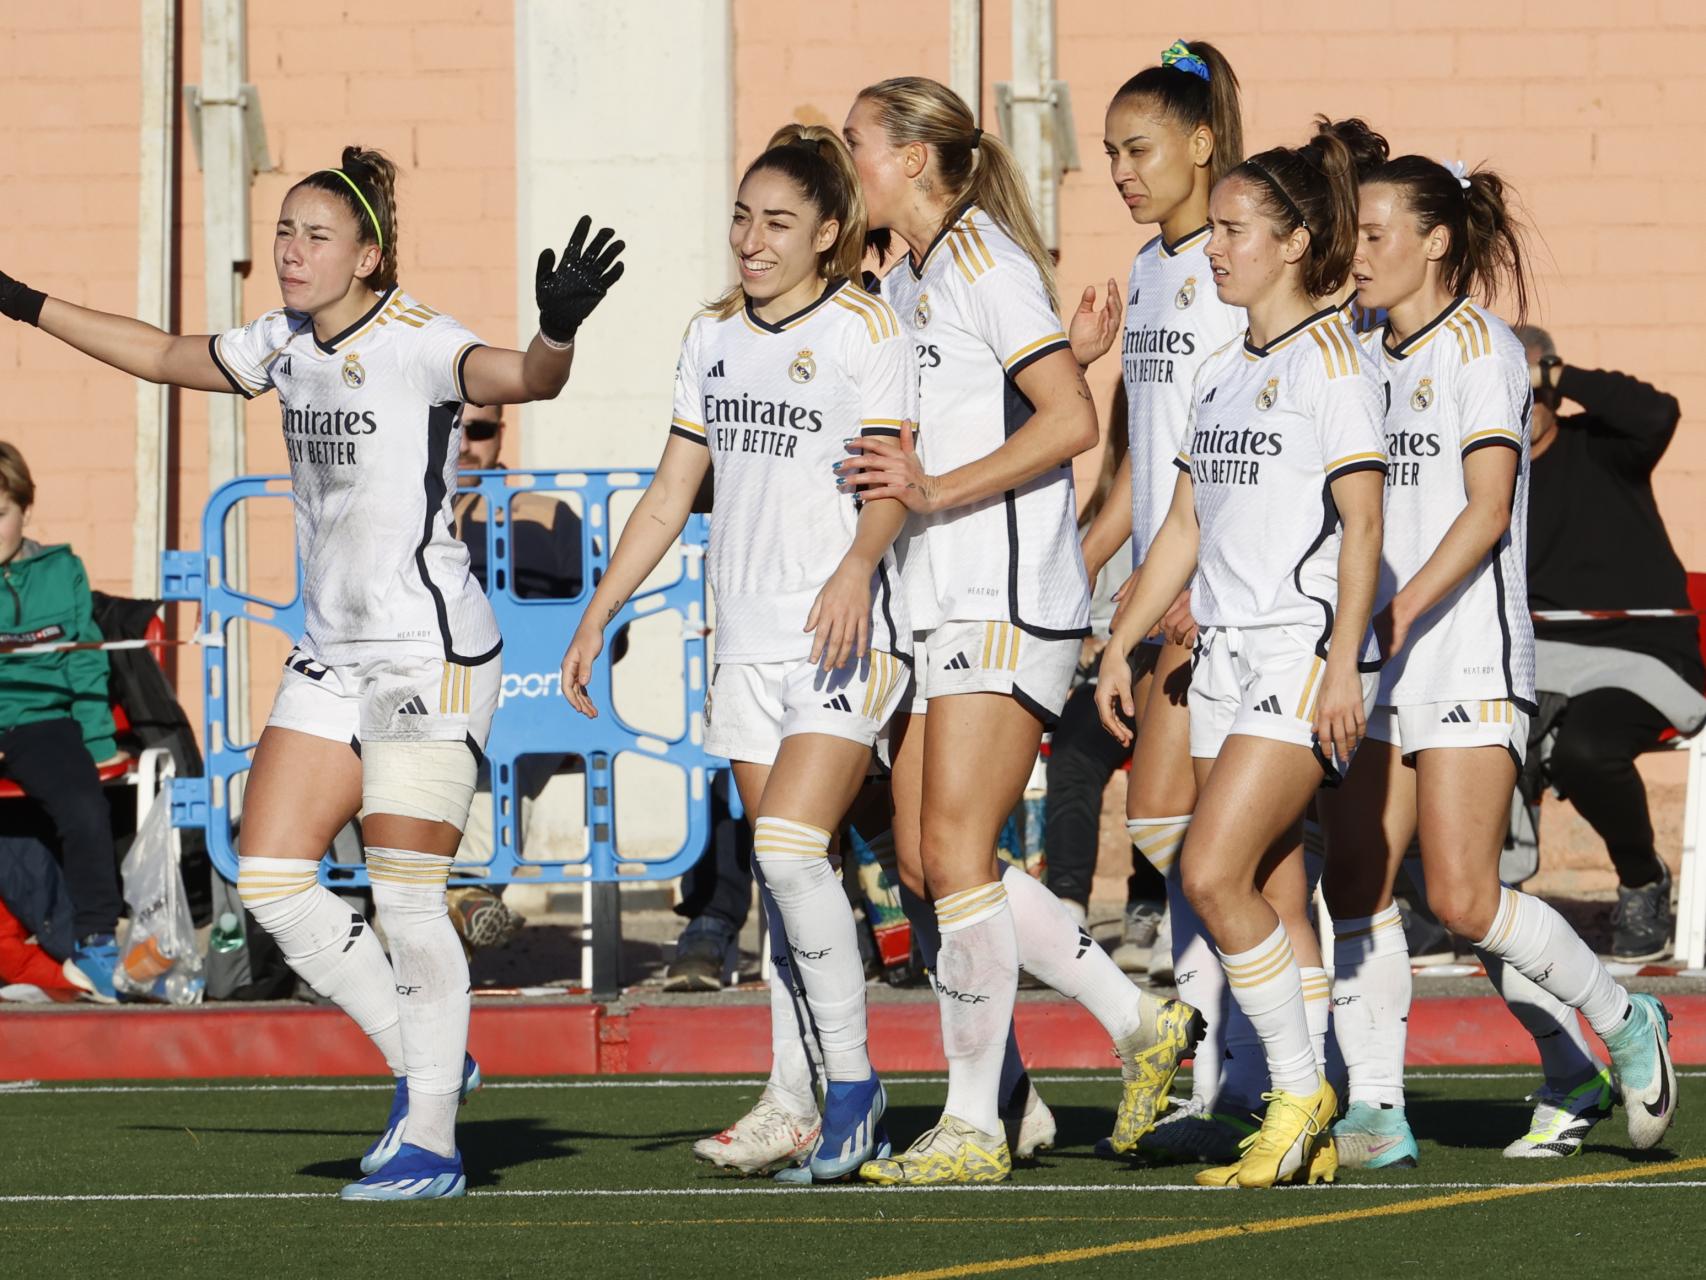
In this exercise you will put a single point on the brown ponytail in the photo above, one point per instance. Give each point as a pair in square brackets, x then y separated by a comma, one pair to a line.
[1484, 252]
[1190, 101]
[817, 161]
[1314, 187]
[371, 176]
[973, 167]
[1368, 149]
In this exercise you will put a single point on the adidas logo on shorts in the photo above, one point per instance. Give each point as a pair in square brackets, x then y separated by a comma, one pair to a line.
[838, 703]
[1457, 715]
[1270, 704]
[413, 707]
[959, 663]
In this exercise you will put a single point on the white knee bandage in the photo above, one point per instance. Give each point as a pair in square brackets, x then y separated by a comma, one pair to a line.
[433, 781]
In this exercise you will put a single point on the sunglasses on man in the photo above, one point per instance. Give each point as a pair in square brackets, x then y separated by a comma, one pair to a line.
[481, 429]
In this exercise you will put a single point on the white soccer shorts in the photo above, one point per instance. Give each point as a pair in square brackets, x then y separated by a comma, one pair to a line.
[995, 657]
[1469, 723]
[751, 706]
[393, 698]
[1263, 682]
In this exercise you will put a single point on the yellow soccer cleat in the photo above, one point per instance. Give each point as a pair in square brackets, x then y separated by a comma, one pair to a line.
[952, 1152]
[1322, 1165]
[1294, 1126]
[1149, 1059]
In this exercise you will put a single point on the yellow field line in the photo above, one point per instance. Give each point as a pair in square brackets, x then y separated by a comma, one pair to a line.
[1207, 1234]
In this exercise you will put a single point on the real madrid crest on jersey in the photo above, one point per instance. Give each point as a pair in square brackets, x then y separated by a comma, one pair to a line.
[354, 374]
[1266, 397]
[1424, 395]
[1187, 293]
[921, 313]
[804, 368]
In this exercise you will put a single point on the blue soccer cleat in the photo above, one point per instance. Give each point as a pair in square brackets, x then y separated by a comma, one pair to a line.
[91, 967]
[800, 1175]
[391, 1140]
[412, 1174]
[1642, 1067]
[852, 1117]
[1371, 1137]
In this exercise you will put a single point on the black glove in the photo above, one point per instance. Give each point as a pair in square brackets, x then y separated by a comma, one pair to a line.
[20, 302]
[568, 290]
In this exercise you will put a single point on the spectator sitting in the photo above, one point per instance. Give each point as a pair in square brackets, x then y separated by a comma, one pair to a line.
[1596, 541]
[56, 721]
[545, 532]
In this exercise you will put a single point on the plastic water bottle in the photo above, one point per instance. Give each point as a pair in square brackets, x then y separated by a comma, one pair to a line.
[227, 933]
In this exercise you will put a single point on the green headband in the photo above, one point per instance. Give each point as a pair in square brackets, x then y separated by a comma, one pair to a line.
[371, 216]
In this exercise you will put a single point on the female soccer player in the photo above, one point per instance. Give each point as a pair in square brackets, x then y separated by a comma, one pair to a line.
[999, 598]
[389, 692]
[1172, 131]
[813, 645]
[1451, 725]
[1278, 513]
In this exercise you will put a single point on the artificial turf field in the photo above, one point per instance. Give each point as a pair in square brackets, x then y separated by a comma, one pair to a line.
[595, 1177]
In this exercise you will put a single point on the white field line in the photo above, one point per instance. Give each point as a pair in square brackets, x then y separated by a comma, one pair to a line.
[31, 1088]
[594, 1193]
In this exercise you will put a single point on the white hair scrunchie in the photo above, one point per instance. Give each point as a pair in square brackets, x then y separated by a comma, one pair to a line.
[1458, 170]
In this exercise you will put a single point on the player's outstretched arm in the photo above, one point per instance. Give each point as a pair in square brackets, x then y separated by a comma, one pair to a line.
[128, 345]
[658, 519]
[566, 289]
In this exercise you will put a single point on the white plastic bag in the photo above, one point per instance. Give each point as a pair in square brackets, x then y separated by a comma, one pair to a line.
[160, 960]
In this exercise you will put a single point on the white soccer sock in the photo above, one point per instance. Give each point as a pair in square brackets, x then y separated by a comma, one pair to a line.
[1565, 1054]
[327, 945]
[1053, 948]
[432, 987]
[822, 937]
[977, 978]
[1197, 974]
[1371, 1003]
[795, 1065]
[1268, 987]
[1317, 1010]
[1538, 942]
[921, 915]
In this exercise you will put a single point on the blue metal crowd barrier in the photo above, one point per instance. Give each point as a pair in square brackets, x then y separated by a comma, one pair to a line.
[532, 717]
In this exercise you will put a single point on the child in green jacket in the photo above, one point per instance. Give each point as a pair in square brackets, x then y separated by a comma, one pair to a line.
[56, 721]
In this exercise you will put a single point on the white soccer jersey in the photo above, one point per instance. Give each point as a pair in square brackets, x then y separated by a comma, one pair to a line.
[1174, 320]
[1271, 429]
[1458, 384]
[775, 402]
[979, 315]
[372, 424]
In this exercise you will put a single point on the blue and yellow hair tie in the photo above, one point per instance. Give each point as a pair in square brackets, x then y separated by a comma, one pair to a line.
[1180, 58]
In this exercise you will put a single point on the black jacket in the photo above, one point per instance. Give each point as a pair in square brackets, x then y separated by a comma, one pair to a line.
[1595, 537]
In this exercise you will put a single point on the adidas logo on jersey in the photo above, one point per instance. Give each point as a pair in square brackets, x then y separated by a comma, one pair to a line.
[715, 371]
[281, 369]
[1270, 704]
[1209, 398]
[413, 707]
[1457, 715]
[838, 703]
[959, 663]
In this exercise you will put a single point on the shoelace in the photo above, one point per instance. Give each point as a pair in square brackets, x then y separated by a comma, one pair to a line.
[1311, 1126]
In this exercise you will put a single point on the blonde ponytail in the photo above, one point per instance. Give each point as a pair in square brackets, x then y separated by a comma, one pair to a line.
[973, 167]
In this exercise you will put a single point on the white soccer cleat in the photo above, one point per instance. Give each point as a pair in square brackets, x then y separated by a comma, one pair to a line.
[1562, 1119]
[763, 1140]
[1036, 1128]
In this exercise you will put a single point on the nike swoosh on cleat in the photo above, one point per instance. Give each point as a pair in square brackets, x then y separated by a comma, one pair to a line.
[1663, 1104]
[1381, 1148]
